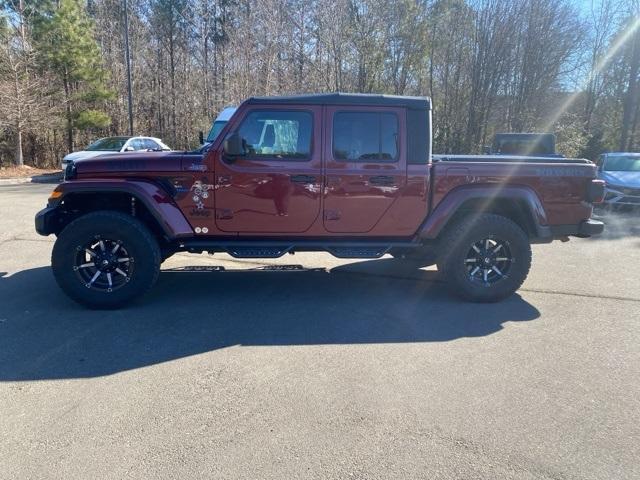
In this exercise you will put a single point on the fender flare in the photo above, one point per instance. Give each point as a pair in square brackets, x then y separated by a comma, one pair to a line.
[456, 198]
[155, 198]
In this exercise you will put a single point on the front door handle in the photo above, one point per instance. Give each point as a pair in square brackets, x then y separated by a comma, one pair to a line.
[381, 180]
[303, 178]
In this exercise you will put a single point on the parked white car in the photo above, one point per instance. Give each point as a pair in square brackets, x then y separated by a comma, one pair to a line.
[621, 174]
[115, 145]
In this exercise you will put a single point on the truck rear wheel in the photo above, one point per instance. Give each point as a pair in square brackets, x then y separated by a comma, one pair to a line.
[105, 259]
[487, 258]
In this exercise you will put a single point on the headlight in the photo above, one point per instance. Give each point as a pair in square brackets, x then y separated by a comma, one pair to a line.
[70, 170]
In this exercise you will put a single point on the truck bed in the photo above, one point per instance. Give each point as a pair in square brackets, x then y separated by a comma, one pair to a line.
[505, 159]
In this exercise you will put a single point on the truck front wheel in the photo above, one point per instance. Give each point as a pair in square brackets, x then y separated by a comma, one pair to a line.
[105, 259]
[487, 258]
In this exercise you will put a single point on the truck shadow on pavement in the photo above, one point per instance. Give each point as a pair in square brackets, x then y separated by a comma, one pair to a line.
[44, 335]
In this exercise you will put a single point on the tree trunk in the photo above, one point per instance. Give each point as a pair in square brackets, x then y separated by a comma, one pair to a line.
[172, 69]
[67, 102]
[631, 97]
[19, 157]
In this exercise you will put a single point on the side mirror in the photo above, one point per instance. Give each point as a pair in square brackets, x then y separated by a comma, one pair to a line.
[233, 146]
[129, 149]
[201, 137]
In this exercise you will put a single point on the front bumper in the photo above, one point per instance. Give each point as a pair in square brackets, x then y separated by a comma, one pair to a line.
[615, 195]
[47, 221]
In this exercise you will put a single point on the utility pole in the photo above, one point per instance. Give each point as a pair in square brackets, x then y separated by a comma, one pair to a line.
[128, 59]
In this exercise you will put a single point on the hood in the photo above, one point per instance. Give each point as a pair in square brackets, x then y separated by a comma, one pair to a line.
[130, 163]
[82, 154]
[621, 179]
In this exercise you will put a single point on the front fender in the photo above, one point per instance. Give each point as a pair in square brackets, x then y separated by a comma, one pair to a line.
[486, 196]
[156, 200]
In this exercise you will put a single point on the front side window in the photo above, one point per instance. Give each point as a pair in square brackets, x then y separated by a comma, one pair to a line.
[365, 137]
[281, 134]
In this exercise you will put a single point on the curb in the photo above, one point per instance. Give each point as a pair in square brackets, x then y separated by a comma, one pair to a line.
[50, 178]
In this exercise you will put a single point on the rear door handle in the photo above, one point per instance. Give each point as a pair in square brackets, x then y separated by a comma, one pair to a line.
[381, 180]
[303, 178]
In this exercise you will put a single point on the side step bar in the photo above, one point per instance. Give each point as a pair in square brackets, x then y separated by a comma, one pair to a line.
[275, 249]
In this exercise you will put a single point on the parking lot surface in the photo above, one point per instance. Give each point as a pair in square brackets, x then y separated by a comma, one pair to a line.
[321, 368]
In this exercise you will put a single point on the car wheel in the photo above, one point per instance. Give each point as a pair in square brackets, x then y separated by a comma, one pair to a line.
[487, 259]
[105, 259]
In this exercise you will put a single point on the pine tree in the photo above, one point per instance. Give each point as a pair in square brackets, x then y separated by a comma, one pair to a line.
[68, 48]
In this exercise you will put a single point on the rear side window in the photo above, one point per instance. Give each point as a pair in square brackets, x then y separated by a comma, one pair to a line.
[137, 144]
[365, 137]
[282, 134]
[151, 145]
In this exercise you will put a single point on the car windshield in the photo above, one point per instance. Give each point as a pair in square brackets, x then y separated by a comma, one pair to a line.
[622, 164]
[215, 130]
[111, 144]
[522, 147]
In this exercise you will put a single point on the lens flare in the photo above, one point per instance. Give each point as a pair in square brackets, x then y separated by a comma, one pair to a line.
[598, 67]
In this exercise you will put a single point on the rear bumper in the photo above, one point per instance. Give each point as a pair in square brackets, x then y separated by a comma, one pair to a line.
[584, 229]
[46, 221]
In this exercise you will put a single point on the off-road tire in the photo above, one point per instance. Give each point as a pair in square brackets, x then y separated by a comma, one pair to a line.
[118, 227]
[460, 238]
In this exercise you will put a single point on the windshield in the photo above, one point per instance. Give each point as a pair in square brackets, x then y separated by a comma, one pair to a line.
[111, 144]
[622, 164]
[216, 128]
[523, 147]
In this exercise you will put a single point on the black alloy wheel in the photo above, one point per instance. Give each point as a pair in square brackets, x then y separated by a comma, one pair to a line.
[489, 261]
[104, 264]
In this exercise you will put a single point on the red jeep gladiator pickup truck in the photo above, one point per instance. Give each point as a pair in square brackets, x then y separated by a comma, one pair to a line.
[348, 174]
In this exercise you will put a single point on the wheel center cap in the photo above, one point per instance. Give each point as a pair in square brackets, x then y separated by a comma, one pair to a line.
[105, 262]
[487, 260]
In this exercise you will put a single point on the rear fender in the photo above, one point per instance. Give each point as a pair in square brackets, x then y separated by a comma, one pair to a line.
[157, 201]
[488, 198]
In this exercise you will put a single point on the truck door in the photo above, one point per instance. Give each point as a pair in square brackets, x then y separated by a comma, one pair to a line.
[366, 166]
[275, 186]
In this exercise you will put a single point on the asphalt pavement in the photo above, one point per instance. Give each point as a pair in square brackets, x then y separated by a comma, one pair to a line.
[313, 367]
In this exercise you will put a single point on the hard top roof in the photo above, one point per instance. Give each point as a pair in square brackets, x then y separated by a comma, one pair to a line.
[415, 103]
